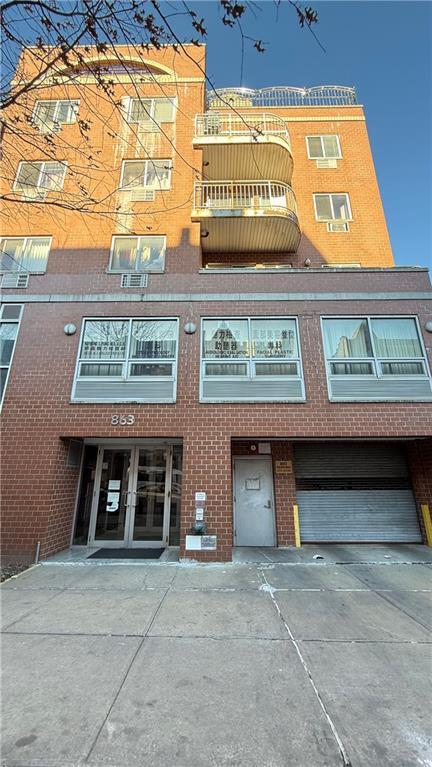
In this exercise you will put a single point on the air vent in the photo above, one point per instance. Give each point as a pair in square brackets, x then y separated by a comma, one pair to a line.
[15, 280]
[134, 280]
[143, 195]
[336, 226]
[326, 163]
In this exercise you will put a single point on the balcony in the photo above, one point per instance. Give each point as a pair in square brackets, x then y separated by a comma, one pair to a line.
[242, 216]
[246, 145]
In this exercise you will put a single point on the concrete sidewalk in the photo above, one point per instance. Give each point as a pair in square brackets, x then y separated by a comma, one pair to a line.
[262, 664]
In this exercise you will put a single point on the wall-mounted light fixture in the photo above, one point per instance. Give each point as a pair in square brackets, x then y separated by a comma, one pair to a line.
[70, 329]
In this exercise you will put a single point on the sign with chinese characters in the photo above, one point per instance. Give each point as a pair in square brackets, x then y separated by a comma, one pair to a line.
[284, 467]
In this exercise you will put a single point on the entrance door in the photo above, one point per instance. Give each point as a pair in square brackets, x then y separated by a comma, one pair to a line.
[131, 505]
[254, 522]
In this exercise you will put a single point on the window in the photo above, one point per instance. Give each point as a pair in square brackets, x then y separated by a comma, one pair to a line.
[323, 147]
[373, 346]
[250, 348]
[10, 315]
[152, 111]
[138, 254]
[150, 174]
[28, 254]
[34, 179]
[49, 116]
[332, 207]
[128, 349]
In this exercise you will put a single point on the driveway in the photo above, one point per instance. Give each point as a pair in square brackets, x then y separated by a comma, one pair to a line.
[296, 663]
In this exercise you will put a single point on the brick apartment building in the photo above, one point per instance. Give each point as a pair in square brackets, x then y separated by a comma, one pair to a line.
[227, 339]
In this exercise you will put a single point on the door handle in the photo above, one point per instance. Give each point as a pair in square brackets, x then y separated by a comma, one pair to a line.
[268, 504]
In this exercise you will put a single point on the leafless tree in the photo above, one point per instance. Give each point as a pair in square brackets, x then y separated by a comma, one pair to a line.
[60, 36]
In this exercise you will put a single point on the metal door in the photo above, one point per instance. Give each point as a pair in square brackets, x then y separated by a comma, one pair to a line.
[254, 521]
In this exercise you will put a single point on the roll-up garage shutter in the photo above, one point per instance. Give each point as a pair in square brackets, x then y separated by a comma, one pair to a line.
[355, 492]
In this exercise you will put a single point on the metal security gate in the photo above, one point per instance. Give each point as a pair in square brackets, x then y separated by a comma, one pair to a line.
[355, 493]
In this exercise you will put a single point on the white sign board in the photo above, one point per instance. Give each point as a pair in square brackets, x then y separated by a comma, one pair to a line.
[200, 496]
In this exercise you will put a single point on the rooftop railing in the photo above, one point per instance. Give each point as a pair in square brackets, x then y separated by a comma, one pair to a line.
[240, 124]
[283, 96]
[235, 195]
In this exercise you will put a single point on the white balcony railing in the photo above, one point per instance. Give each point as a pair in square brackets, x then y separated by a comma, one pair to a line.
[283, 96]
[238, 195]
[235, 124]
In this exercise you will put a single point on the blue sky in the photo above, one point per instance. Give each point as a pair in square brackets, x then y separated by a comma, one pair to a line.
[384, 50]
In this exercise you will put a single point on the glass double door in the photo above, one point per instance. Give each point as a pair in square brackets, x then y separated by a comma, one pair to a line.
[132, 497]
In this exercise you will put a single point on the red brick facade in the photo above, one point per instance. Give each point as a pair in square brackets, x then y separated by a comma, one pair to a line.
[38, 488]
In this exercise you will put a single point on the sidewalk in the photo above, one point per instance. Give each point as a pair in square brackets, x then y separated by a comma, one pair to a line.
[248, 664]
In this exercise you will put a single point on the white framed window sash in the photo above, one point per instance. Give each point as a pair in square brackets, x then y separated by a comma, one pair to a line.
[40, 176]
[330, 195]
[122, 270]
[73, 105]
[145, 163]
[376, 361]
[14, 321]
[152, 112]
[323, 156]
[126, 360]
[251, 360]
[25, 240]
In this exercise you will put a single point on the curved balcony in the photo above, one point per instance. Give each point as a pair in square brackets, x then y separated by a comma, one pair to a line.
[244, 145]
[245, 216]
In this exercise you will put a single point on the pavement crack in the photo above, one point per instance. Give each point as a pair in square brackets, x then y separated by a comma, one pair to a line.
[125, 676]
[342, 750]
[383, 595]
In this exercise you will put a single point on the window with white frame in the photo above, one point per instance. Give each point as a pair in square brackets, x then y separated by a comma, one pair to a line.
[10, 315]
[326, 147]
[146, 174]
[49, 116]
[332, 207]
[373, 346]
[152, 111]
[137, 254]
[29, 254]
[34, 179]
[250, 348]
[128, 349]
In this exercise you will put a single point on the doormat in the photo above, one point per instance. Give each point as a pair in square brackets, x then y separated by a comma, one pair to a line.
[126, 554]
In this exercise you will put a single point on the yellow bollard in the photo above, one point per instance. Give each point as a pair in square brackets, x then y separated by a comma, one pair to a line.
[427, 523]
[296, 526]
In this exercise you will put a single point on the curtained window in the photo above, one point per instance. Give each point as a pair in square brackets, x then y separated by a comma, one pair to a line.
[138, 254]
[24, 254]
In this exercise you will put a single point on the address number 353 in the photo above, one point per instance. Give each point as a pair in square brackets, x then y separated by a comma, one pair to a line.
[122, 420]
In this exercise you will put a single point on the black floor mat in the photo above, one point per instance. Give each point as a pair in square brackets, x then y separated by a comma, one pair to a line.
[126, 554]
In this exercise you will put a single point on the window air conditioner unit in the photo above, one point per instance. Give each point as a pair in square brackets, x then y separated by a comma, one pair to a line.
[13, 280]
[337, 226]
[134, 280]
[327, 163]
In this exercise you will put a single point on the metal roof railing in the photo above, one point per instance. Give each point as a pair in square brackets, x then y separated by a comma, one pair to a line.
[283, 96]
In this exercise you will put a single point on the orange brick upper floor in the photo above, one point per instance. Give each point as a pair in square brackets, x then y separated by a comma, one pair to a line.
[95, 147]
